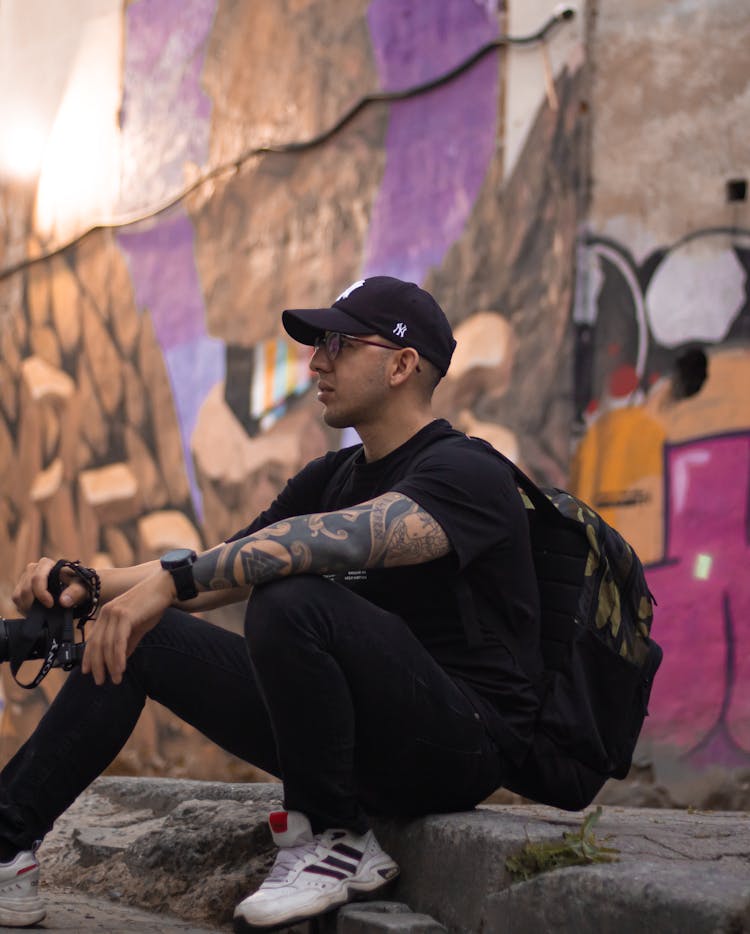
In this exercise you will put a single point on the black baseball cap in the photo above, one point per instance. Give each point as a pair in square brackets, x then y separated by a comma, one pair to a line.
[399, 311]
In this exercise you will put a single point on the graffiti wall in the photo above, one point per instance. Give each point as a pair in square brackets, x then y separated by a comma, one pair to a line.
[662, 352]
[174, 174]
[663, 379]
[187, 174]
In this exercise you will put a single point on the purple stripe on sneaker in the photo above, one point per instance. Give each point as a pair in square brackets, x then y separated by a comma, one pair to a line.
[348, 851]
[322, 871]
[332, 861]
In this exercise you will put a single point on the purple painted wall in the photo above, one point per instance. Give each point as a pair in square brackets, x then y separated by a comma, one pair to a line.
[165, 114]
[166, 117]
[438, 146]
[165, 280]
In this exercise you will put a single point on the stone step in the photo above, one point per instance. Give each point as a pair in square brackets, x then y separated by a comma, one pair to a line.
[385, 918]
[195, 849]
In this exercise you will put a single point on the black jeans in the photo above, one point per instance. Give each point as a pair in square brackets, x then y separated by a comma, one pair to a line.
[335, 696]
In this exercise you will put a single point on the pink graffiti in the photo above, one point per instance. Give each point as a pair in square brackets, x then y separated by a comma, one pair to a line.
[701, 698]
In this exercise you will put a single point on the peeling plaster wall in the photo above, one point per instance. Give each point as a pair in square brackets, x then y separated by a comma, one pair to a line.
[671, 99]
[149, 398]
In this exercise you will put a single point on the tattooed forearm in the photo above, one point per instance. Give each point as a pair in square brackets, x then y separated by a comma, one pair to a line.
[384, 532]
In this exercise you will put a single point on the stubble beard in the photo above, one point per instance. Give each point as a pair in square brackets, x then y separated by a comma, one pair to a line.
[360, 411]
[346, 417]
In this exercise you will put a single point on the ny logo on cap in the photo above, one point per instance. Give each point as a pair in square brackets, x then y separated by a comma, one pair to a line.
[400, 330]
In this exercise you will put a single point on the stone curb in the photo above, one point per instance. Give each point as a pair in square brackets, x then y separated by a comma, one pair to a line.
[195, 848]
[675, 871]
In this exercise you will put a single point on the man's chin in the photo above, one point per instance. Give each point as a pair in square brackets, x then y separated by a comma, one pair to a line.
[336, 420]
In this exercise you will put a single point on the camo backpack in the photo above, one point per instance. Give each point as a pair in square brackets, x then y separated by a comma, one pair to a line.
[596, 615]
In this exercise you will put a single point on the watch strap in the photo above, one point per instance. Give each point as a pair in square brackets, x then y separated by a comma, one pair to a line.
[184, 581]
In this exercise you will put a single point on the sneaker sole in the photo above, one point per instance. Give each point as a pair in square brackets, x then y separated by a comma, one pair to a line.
[21, 917]
[243, 927]
[355, 892]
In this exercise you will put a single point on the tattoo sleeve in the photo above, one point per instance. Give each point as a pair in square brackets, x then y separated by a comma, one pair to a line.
[388, 531]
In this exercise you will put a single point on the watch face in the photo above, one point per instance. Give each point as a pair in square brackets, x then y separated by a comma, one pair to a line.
[177, 557]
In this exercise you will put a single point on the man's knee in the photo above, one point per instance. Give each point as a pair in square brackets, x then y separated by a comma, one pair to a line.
[144, 664]
[284, 610]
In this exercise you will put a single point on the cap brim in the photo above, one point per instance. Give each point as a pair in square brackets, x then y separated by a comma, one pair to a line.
[305, 324]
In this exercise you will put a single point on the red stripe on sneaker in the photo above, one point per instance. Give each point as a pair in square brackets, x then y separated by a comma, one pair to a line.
[26, 869]
[278, 821]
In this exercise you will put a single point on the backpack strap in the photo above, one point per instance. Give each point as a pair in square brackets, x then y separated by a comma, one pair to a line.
[544, 507]
[538, 500]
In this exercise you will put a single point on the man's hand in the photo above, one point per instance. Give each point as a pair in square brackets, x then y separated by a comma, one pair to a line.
[32, 585]
[123, 622]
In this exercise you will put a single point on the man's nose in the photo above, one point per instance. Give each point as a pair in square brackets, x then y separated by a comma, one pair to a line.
[320, 360]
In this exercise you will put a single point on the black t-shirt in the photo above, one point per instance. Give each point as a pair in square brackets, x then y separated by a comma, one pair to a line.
[471, 493]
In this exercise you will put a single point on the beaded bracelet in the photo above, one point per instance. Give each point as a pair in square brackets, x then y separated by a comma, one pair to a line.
[91, 579]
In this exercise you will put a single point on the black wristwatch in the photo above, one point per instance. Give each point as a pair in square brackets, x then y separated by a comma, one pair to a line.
[179, 563]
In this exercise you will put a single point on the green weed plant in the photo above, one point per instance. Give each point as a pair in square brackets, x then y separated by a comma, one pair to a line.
[577, 848]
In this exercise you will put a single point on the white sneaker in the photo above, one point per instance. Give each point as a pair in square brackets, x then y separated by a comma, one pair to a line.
[312, 874]
[20, 905]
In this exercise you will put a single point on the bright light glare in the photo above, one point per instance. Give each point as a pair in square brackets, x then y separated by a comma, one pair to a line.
[80, 173]
[702, 567]
[22, 149]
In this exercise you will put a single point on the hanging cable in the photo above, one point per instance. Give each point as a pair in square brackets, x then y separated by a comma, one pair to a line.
[561, 13]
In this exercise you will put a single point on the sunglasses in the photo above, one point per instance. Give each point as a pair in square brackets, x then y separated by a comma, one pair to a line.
[333, 342]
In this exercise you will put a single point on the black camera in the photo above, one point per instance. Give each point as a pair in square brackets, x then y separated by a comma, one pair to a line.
[47, 633]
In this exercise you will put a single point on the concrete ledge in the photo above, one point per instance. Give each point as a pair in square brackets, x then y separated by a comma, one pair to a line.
[675, 872]
[196, 848]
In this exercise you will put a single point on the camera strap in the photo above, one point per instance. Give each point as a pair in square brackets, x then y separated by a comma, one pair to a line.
[32, 629]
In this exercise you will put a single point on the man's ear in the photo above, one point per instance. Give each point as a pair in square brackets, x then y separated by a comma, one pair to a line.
[405, 364]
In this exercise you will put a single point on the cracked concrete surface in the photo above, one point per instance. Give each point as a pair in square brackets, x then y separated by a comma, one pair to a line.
[76, 913]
